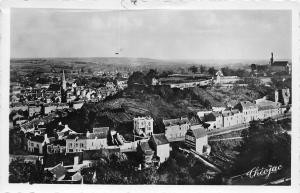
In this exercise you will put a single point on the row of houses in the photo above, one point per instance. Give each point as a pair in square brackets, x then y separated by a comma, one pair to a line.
[242, 113]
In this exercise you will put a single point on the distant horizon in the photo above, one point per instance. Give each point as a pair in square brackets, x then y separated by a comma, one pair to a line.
[176, 59]
[161, 34]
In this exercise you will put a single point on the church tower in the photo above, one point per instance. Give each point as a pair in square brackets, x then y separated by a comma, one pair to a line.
[63, 82]
[271, 59]
[63, 88]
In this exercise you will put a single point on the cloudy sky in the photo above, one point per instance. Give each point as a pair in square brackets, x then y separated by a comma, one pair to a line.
[163, 34]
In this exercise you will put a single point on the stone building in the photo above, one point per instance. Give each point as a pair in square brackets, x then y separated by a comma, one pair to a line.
[249, 110]
[161, 146]
[175, 129]
[143, 126]
[197, 140]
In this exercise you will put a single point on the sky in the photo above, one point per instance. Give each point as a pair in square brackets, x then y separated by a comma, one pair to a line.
[159, 34]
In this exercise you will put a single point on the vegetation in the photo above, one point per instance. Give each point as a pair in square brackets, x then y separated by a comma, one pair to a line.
[27, 172]
[264, 144]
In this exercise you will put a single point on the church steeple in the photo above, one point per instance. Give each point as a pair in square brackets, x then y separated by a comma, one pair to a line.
[271, 59]
[63, 81]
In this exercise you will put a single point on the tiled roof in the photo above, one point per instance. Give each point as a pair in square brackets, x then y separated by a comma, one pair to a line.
[59, 142]
[68, 175]
[37, 138]
[160, 139]
[178, 121]
[227, 113]
[78, 136]
[280, 63]
[247, 105]
[199, 132]
[58, 171]
[97, 135]
[146, 148]
[101, 130]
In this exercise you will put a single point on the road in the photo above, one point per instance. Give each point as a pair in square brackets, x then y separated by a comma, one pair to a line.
[224, 139]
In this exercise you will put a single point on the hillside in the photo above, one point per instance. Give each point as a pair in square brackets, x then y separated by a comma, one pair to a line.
[160, 102]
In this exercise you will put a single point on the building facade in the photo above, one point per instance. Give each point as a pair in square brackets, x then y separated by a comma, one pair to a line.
[197, 140]
[143, 126]
[176, 128]
[249, 110]
[161, 146]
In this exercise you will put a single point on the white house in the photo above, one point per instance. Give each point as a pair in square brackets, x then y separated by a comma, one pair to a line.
[36, 143]
[197, 140]
[161, 146]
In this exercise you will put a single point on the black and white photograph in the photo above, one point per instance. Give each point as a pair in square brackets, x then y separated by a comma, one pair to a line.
[150, 96]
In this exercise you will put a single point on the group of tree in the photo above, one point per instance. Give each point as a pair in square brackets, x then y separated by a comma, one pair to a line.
[265, 143]
[21, 172]
[139, 78]
[185, 169]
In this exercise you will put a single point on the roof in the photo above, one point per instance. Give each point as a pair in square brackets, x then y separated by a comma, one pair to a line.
[78, 136]
[59, 142]
[245, 105]
[96, 154]
[101, 130]
[160, 139]
[198, 133]
[69, 175]
[227, 113]
[211, 116]
[37, 138]
[146, 148]
[178, 121]
[261, 108]
[280, 63]
[97, 135]
[58, 171]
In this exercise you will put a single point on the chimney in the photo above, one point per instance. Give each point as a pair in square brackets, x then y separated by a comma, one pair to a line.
[87, 134]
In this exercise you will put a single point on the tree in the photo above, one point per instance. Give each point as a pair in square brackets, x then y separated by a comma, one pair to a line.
[25, 172]
[264, 144]
[202, 69]
[253, 67]
[193, 69]
[136, 78]
[212, 71]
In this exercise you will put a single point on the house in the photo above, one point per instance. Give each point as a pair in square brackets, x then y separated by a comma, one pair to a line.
[249, 110]
[267, 108]
[145, 153]
[58, 171]
[214, 119]
[143, 126]
[161, 146]
[36, 143]
[78, 104]
[88, 141]
[57, 146]
[232, 117]
[34, 110]
[221, 79]
[62, 175]
[197, 140]
[175, 129]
